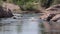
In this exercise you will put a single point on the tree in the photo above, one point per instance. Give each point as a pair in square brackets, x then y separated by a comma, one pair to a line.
[25, 4]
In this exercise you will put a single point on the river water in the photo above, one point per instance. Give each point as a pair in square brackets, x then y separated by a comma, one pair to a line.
[23, 24]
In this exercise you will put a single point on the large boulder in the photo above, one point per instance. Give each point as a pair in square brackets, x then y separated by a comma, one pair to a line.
[14, 8]
[51, 12]
[5, 13]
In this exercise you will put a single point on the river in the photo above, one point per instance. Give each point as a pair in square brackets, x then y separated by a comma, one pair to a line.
[23, 24]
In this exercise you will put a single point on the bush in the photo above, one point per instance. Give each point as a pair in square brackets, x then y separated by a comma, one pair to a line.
[56, 2]
[26, 4]
[30, 6]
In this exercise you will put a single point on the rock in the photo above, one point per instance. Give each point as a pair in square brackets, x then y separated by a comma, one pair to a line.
[14, 8]
[56, 18]
[4, 13]
[14, 18]
[54, 9]
[52, 13]
[44, 16]
[58, 21]
[50, 17]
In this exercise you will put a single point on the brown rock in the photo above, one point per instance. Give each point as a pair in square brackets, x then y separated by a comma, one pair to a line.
[53, 10]
[14, 8]
[56, 17]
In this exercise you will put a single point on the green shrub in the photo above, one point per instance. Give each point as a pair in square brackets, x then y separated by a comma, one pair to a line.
[30, 6]
[56, 2]
[0, 2]
[26, 4]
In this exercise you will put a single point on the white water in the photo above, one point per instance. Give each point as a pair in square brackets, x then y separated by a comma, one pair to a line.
[24, 25]
[30, 26]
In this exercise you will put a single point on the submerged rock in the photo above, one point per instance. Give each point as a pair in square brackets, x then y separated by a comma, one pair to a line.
[5, 13]
[14, 17]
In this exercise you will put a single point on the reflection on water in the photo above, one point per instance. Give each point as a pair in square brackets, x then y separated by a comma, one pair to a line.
[27, 24]
[30, 26]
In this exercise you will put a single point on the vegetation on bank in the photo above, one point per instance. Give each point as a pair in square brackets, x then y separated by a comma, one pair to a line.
[32, 4]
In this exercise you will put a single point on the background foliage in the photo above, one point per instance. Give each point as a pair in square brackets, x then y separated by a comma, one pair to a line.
[26, 4]
[31, 4]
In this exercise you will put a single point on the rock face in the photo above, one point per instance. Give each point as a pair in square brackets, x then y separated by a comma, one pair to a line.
[14, 8]
[4, 13]
[51, 12]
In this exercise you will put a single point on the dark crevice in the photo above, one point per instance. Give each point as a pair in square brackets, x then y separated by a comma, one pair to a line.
[50, 17]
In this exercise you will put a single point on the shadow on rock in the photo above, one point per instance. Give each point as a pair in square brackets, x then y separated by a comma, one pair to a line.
[4, 13]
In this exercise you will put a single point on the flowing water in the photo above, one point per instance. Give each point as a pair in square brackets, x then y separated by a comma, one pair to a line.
[23, 24]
